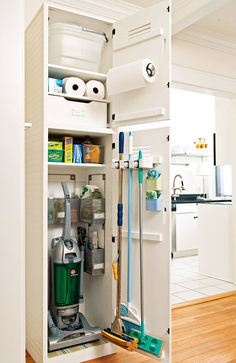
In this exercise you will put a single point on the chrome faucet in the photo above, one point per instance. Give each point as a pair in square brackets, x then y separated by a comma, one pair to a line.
[181, 182]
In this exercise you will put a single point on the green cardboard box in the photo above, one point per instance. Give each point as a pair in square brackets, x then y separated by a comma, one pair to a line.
[55, 156]
[55, 145]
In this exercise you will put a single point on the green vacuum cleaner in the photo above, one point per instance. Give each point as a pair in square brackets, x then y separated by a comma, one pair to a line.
[66, 325]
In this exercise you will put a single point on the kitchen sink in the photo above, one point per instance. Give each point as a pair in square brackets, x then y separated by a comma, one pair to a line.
[186, 197]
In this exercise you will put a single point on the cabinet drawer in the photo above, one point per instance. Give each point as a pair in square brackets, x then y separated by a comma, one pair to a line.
[186, 208]
[61, 111]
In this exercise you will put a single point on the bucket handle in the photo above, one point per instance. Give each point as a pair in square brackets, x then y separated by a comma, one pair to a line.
[95, 32]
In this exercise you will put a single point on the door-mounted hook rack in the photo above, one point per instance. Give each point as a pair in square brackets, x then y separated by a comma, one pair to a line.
[148, 162]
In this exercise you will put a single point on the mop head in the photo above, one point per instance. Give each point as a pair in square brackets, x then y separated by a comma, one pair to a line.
[129, 325]
[124, 341]
[129, 319]
[147, 342]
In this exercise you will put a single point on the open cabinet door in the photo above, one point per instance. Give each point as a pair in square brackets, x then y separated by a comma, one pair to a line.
[153, 140]
[145, 34]
[140, 109]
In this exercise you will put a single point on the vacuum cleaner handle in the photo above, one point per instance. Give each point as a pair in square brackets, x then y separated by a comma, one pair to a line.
[81, 292]
[65, 190]
[67, 225]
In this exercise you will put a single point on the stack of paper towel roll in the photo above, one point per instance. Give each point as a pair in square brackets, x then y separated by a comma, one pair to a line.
[95, 89]
[74, 86]
[77, 87]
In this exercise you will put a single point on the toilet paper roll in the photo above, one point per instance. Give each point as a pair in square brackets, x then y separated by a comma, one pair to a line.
[95, 89]
[130, 76]
[74, 86]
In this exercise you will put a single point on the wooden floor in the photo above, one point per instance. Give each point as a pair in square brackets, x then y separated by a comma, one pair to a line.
[122, 357]
[205, 333]
[202, 333]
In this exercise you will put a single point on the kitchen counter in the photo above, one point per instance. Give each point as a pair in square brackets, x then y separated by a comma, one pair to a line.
[202, 201]
[192, 199]
[215, 240]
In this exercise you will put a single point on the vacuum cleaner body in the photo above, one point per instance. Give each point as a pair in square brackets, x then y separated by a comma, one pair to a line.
[66, 262]
[66, 325]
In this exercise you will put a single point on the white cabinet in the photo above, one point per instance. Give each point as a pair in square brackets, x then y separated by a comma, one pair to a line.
[216, 241]
[137, 107]
[186, 227]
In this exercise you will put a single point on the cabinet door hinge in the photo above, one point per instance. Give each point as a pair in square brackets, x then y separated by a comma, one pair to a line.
[168, 9]
[113, 32]
[113, 239]
[168, 138]
[168, 331]
[113, 146]
[168, 84]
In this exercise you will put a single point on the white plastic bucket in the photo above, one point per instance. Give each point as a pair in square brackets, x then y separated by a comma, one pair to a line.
[74, 46]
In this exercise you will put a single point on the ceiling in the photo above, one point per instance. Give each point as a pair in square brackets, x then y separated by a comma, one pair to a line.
[143, 3]
[221, 21]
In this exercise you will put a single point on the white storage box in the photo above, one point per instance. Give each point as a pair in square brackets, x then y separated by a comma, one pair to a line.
[62, 111]
[75, 46]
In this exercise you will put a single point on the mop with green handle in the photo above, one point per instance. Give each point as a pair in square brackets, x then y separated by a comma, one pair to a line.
[146, 342]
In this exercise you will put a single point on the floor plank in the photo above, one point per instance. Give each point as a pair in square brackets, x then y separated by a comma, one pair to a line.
[202, 333]
[205, 333]
[28, 358]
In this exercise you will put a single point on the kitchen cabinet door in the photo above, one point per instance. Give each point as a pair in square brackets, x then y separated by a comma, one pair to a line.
[186, 231]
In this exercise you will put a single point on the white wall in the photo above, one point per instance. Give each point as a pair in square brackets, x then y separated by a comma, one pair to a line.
[203, 67]
[12, 332]
[31, 8]
[225, 110]
[226, 150]
[203, 58]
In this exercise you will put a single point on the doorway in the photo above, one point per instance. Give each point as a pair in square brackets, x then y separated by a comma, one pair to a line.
[201, 196]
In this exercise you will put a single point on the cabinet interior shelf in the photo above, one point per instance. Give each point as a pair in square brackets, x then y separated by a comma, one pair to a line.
[189, 155]
[76, 165]
[60, 72]
[70, 130]
[73, 97]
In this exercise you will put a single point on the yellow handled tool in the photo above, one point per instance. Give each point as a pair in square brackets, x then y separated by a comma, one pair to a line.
[115, 270]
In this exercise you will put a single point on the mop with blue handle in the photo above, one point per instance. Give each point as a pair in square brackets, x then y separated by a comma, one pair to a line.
[129, 313]
[146, 342]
